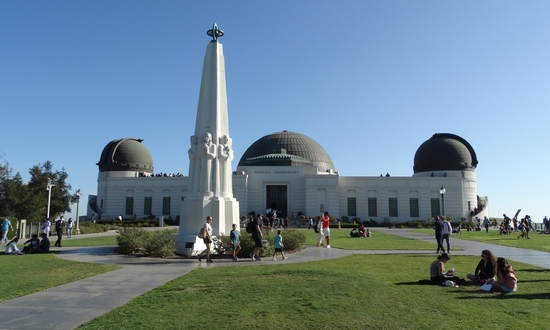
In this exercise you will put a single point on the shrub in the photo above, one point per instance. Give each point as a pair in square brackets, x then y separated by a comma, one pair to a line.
[132, 240]
[91, 228]
[345, 219]
[293, 240]
[160, 244]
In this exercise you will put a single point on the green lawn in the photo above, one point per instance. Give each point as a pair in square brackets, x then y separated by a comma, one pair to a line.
[92, 241]
[339, 238]
[26, 274]
[355, 292]
[540, 242]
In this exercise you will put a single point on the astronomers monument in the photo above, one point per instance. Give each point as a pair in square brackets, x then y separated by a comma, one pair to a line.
[210, 154]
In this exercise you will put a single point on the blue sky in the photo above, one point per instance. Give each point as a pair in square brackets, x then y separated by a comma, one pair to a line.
[369, 80]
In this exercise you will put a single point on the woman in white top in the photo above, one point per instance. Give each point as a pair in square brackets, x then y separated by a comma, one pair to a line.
[11, 248]
[207, 239]
[320, 235]
[70, 228]
[46, 227]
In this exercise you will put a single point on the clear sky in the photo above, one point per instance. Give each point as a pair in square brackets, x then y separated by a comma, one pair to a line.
[369, 80]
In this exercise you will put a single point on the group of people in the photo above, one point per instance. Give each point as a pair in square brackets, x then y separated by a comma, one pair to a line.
[322, 228]
[360, 232]
[254, 227]
[496, 272]
[443, 231]
[35, 245]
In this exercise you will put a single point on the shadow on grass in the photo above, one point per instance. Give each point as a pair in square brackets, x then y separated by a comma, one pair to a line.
[428, 282]
[535, 270]
[498, 295]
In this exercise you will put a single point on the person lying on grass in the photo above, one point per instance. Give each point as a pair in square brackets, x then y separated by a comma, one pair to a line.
[438, 274]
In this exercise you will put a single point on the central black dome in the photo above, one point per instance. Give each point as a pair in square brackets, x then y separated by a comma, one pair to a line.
[287, 149]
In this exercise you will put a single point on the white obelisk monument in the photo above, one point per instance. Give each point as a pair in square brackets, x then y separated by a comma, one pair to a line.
[209, 189]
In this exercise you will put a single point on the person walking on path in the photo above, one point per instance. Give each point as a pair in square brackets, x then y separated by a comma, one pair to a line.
[234, 236]
[278, 240]
[310, 223]
[486, 223]
[6, 225]
[46, 227]
[447, 232]
[70, 228]
[326, 229]
[257, 237]
[59, 225]
[207, 240]
[319, 230]
[438, 227]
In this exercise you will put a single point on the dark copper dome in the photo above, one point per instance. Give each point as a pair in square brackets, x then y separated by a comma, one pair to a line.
[445, 152]
[286, 149]
[127, 154]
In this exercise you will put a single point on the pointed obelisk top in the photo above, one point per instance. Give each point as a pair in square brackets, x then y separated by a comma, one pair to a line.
[215, 33]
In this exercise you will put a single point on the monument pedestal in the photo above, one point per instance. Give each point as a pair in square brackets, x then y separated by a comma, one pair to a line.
[194, 210]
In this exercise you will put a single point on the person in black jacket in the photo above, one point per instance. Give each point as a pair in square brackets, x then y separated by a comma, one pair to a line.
[439, 227]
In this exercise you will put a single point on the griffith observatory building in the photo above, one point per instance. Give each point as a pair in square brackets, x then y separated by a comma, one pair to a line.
[285, 171]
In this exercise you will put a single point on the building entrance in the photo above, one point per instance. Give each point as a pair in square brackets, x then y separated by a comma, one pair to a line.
[276, 199]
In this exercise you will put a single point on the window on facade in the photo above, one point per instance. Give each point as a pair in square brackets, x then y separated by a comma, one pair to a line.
[393, 207]
[352, 206]
[166, 206]
[101, 204]
[435, 207]
[322, 208]
[413, 207]
[148, 206]
[373, 210]
[469, 206]
[129, 205]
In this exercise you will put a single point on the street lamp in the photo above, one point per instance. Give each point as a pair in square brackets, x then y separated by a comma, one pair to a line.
[49, 189]
[78, 194]
[442, 192]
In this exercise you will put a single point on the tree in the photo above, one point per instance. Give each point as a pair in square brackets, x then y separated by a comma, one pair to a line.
[30, 201]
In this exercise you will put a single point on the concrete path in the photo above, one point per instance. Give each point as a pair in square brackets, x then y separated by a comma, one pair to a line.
[70, 305]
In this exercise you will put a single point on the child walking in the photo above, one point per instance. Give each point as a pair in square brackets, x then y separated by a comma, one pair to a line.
[278, 246]
[234, 235]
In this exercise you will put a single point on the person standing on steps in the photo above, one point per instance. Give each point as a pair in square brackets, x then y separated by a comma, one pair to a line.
[207, 240]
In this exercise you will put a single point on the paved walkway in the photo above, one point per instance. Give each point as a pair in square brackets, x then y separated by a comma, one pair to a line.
[70, 305]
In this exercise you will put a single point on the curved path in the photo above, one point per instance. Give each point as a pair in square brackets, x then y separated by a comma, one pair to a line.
[72, 304]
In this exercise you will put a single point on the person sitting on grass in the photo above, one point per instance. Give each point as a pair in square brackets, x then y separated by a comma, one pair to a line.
[354, 232]
[34, 241]
[362, 232]
[506, 278]
[368, 233]
[486, 268]
[43, 246]
[11, 248]
[438, 274]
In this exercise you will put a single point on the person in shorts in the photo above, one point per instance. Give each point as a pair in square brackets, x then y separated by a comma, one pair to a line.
[207, 240]
[234, 236]
[257, 237]
[326, 228]
[278, 240]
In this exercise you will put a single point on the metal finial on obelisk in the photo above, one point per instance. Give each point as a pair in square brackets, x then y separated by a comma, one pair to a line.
[215, 33]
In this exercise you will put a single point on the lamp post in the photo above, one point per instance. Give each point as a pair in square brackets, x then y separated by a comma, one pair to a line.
[78, 194]
[49, 189]
[442, 192]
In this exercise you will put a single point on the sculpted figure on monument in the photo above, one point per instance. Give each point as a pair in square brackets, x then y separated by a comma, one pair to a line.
[206, 155]
[193, 167]
[225, 156]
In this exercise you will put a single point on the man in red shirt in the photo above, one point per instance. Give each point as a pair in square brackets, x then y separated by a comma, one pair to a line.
[326, 228]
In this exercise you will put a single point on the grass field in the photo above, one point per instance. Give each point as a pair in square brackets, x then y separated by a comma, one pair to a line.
[539, 242]
[26, 274]
[355, 292]
[92, 241]
[379, 241]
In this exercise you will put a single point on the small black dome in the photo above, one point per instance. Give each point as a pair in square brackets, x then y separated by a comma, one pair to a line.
[127, 154]
[286, 149]
[445, 152]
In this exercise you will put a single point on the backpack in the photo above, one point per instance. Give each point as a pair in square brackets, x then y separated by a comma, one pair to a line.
[250, 226]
